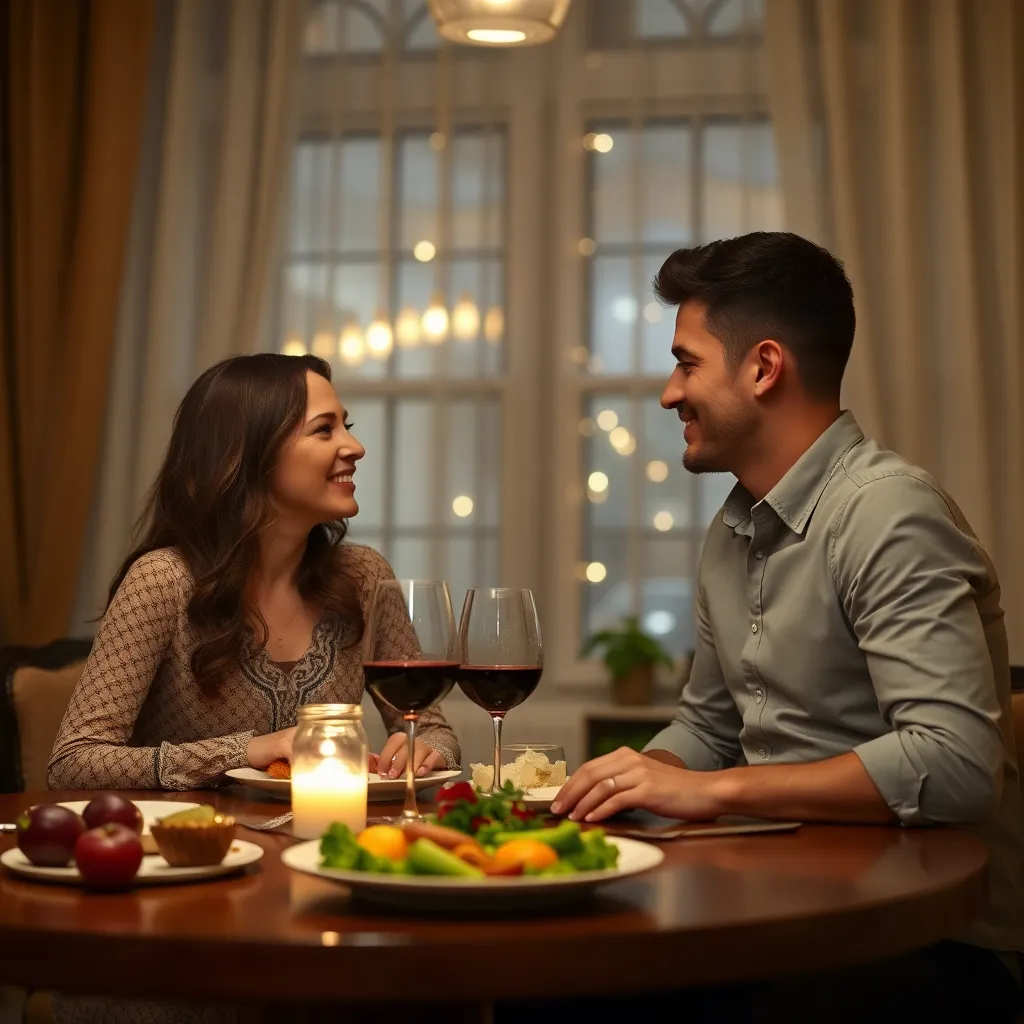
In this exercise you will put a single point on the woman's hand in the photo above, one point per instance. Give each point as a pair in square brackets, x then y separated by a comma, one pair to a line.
[272, 747]
[390, 762]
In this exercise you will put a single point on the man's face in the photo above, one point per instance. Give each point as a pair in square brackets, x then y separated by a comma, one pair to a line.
[704, 391]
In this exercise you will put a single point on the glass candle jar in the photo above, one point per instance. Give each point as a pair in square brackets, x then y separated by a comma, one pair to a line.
[330, 769]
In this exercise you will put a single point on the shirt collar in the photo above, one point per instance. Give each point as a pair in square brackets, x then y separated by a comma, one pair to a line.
[795, 496]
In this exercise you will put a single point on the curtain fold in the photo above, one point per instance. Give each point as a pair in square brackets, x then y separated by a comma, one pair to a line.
[922, 106]
[204, 244]
[73, 78]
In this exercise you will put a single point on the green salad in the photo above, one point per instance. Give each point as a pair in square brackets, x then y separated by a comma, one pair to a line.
[473, 835]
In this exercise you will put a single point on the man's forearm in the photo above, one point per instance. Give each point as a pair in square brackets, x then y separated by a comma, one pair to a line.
[838, 789]
[665, 757]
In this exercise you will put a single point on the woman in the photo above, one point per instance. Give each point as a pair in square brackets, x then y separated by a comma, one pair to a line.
[241, 602]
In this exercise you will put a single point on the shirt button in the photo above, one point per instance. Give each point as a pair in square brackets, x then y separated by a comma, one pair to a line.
[753, 627]
[759, 555]
[758, 696]
[762, 753]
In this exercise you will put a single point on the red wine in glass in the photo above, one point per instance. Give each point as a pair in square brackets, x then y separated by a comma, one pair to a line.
[410, 656]
[502, 655]
[498, 688]
[410, 686]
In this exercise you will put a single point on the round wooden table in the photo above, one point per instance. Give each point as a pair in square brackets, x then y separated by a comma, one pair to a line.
[718, 910]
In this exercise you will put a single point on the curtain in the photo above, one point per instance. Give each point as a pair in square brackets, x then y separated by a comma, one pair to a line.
[900, 136]
[73, 79]
[204, 242]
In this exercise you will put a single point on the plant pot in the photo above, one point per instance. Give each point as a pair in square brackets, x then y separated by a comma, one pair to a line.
[635, 688]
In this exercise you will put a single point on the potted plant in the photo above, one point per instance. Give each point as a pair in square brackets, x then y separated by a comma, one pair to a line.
[630, 655]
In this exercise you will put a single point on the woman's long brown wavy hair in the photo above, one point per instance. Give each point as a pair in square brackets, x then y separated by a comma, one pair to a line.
[212, 499]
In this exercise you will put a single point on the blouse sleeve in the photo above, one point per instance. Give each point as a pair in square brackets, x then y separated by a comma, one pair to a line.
[92, 749]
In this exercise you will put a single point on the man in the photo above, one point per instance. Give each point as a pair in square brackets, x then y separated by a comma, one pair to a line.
[851, 663]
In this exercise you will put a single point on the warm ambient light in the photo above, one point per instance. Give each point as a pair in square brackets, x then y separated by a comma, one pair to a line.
[657, 471]
[462, 506]
[607, 419]
[379, 338]
[498, 22]
[407, 328]
[598, 481]
[496, 36]
[435, 322]
[596, 572]
[424, 251]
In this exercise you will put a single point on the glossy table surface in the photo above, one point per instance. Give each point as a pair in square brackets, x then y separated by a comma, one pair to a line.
[717, 910]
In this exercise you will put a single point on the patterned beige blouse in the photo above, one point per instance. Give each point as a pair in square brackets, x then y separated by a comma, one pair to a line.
[137, 719]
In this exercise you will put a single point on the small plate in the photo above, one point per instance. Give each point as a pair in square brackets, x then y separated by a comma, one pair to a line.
[154, 870]
[378, 789]
[541, 798]
[432, 892]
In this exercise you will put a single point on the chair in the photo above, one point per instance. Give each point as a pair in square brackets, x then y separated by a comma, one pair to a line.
[36, 684]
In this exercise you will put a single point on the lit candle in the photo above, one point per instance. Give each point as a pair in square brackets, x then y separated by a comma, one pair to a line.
[329, 792]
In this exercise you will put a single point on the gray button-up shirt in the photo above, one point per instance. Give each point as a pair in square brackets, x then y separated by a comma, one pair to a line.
[854, 609]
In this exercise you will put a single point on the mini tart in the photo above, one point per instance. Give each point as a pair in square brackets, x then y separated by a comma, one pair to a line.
[194, 844]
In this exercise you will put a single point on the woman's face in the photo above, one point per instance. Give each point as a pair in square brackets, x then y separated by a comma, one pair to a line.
[313, 481]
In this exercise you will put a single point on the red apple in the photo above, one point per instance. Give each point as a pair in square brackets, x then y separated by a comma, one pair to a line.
[110, 808]
[47, 834]
[108, 857]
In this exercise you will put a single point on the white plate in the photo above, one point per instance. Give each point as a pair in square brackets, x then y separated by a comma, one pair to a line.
[378, 789]
[541, 798]
[432, 892]
[154, 870]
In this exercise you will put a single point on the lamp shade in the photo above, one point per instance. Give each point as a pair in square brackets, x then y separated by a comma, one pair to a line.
[499, 22]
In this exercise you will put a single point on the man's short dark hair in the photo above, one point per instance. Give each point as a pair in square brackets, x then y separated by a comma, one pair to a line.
[769, 284]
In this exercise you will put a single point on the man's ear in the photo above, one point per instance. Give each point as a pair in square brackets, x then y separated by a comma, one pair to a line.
[767, 362]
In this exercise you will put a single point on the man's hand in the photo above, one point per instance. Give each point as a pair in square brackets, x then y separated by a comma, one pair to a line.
[624, 780]
[390, 762]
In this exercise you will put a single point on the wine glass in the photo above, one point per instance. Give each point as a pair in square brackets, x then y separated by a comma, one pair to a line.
[410, 656]
[502, 656]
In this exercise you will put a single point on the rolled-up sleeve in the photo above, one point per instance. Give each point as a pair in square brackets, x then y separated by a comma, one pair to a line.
[705, 732]
[907, 576]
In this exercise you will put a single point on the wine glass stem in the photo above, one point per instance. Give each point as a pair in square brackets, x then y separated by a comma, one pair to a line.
[410, 810]
[496, 780]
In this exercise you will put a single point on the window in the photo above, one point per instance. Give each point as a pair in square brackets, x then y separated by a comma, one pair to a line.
[409, 310]
[654, 187]
[365, 27]
[472, 246]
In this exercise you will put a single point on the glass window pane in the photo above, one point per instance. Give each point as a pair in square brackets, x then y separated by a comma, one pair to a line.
[613, 313]
[611, 183]
[733, 17]
[310, 175]
[359, 196]
[741, 186]
[659, 19]
[668, 184]
[606, 598]
[490, 563]
[608, 474]
[415, 357]
[413, 465]
[667, 598]
[668, 488]
[417, 192]
[305, 309]
[411, 558]
[458, 568]
[420, 31]
[714, 489]
[473, 460]
[478, 190]
[369, 418]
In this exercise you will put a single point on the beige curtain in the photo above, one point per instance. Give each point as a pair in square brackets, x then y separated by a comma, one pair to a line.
[204, 243]
[900, 137]
[73, 82]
